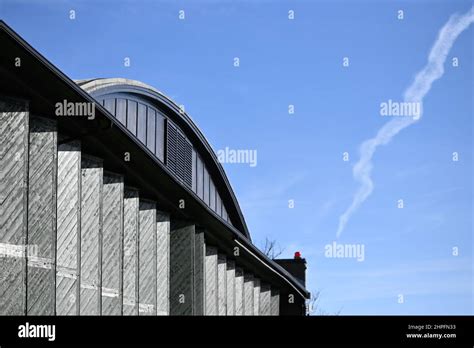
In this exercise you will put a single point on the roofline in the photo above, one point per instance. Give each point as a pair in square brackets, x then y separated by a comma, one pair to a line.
[93, 86]
[71, 84]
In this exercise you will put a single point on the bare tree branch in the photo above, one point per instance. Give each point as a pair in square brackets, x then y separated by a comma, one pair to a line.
[271, 249]
[313, 306]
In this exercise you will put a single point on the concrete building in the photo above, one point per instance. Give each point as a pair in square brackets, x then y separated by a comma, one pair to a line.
[114, 203]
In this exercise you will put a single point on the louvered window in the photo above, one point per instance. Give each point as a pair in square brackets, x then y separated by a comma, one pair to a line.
[179, 154]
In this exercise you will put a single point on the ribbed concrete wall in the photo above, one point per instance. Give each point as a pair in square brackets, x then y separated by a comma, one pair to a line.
[112, 244]
[275, 302]
[198, 275]
[91, 235]
[116, 254]
[210, 272]
[162, 261]
[248, 294]
[13, 208]
[42, 217]
[265, 299]
[222, 285]
[256, 296]
[130, 252]
[147, 258]
[68, 228]
[239, 291]
[181, 268]
[230, 288]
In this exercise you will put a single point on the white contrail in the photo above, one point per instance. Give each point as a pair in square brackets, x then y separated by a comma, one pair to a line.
[432, 71]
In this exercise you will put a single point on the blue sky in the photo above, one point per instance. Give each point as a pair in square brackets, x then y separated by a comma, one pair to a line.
[407, 251]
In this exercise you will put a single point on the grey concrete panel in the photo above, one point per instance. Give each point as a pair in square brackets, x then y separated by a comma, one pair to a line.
[230, 288]
[222, 285]
[198, 282]
[68, 228]
[91, 235]
[130, 253]
[256, 296]
[163, 262]
[147, 259]
[112, 244]
[265, 295]
[182, 239]
[248, 294]
[275, 302]
[13, 205]
[210, 276]
[42, 216]
[239, 291]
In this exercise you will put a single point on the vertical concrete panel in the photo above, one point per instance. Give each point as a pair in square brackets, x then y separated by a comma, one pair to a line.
[239, 291]
[210, 276]
[181, 268]
[163, 262]
[248, 294]
[130, 252]
[198, 282]
[68, 228]
[230, 289]
[13, 205]
[222, 285]
[112, 244]
[275, 302]
[256, 296]
[42, 217]
[265, 296]
[147, 259]
[91, 235]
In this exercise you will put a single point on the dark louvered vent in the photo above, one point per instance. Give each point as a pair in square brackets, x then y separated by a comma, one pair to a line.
[179, 154]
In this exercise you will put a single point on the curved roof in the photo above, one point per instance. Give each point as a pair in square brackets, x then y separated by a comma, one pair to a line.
[103, 86]
[43, 84]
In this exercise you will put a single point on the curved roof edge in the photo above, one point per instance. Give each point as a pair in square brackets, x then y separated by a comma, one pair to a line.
[94, 86]
[38, 69]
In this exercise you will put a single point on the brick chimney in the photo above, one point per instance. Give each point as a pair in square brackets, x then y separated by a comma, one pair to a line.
[295, 266]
